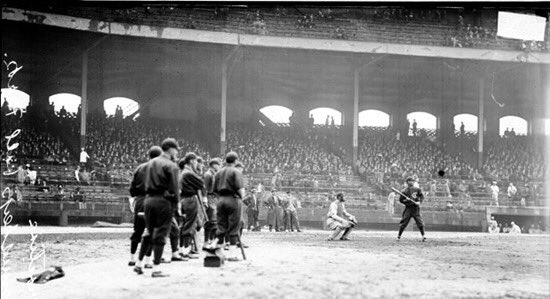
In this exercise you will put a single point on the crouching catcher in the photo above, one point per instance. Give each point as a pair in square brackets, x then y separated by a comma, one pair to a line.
[338, 219]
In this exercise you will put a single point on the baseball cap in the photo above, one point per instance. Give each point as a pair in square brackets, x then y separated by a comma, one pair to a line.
[169, 143]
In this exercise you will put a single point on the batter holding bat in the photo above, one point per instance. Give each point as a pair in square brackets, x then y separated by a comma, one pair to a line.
[411, 197]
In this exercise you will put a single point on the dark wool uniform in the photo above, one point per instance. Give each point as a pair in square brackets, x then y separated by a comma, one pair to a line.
[210, 225]
[252, 211]
[190, 184]
[175, 228]
[227, 182]
[161, 186]
[411, 209]
[137, 190]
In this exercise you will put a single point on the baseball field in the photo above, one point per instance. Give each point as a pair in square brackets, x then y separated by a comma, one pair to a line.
[292, 265]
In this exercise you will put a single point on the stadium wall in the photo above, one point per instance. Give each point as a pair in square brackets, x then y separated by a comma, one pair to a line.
[71, 213]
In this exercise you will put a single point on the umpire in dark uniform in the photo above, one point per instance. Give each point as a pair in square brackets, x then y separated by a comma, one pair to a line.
[190, 184]
[161, 187]
[137, 190]
[229, 186]
[411, 197]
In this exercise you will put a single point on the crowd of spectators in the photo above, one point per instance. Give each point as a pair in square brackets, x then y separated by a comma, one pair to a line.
[115, 145]
[383, 156]
[266, 150]
[515, 158]
[35, 141]
[472, 36]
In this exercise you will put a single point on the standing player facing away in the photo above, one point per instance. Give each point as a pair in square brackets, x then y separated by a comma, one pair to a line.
[211, 199]
[137, 190]
[190, 184]
[229, 186]
[162, 192]
[411, 197]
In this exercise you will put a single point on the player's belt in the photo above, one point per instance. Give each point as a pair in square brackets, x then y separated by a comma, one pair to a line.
[155, 193]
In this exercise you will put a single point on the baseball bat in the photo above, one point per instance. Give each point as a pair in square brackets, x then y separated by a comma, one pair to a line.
[399, 192]
[241, 245]
[200, 203]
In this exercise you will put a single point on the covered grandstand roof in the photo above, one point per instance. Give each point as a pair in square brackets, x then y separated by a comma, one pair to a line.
[174, 70]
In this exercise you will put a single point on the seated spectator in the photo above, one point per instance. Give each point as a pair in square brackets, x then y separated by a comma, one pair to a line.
[31, 173]
[60, 196]
[85, 177]
[512, 191]
[17, 195]
[78, 195]
[449, 206]
[21, 174]
[44, 187]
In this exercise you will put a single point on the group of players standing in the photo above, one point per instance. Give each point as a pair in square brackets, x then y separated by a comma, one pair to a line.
[171, 196]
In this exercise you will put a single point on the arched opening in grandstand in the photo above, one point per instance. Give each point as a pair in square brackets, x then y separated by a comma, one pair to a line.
[426, 123]
[68, 101]
[468, 120]
[277, 114]
[325, 116]
[16, 99]
[374, 118]
[112, 105]
[513, 125]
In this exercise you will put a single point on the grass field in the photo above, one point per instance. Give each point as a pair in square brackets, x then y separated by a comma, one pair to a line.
[300, 265]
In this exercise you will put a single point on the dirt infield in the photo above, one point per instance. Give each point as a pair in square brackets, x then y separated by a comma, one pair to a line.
[303, 265]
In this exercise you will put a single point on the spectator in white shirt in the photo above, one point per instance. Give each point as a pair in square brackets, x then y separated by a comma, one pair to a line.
[32, 175]
[494, 193]
[84, 157]
[512, 191]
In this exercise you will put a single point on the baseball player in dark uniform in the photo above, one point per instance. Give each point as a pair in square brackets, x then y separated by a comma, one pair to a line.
[229, 186]
[411, 197]
[240, 167]
[137, 190]
[211, 199]
[175, 231]
[162, 191]
[190, 185]
[201, 218]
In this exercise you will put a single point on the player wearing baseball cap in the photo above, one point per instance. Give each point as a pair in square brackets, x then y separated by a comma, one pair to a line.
[411, 197]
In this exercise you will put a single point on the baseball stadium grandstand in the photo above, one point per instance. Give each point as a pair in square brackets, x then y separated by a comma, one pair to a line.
[109, 82]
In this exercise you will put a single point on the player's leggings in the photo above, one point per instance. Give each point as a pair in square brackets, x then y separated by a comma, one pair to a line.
[139, 224]
[190, 211]
[158, 220]
[228, 215]
[408, 213]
